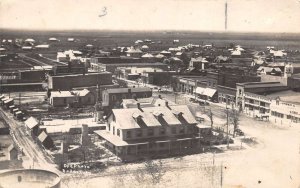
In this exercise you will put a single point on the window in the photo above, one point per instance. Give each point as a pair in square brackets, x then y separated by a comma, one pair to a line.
[150, 132]
[108, 127]
[145, 95]
[181, 130]
[65, 101]
[162, 131]
[128, 134]
[162, 144]
[113, 98]
[139, 133]
[173, 130]
[240, 91]
[113, 130]
[118, 132]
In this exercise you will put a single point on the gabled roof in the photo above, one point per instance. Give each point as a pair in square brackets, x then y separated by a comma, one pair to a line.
[11, 147]
[147, 55]
[159, 56]
[43, 136]
[125, 117]
[31, 122]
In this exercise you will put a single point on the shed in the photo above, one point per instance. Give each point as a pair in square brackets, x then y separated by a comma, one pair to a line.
[12, 152]
[45, 140]
[33, 125]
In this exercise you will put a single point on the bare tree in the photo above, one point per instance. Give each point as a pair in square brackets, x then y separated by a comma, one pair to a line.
[155, 170]
[211, 117]
[234, 117]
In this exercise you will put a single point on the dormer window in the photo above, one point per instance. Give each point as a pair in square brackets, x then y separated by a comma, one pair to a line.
[139, 119]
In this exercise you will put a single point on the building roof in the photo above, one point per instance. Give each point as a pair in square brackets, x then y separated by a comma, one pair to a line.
[126, 90]
[286, 96]
[144, 102]
[159, 56]
[134, 50]
[61, 94]
[261, 84]
[236, 52]
[43, 136]
[42, 46]
[209, 92]
[31, 122]
[11, 147]
[81, 93]
[147, 55]
[29, 40]
[125, 118]
[165, 52]
[8, 100]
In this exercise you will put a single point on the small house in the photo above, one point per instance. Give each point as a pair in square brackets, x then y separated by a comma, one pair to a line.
[45, 140]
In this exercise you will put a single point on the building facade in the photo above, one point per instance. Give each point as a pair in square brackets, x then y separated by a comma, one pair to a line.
[136, 133]
[113, 97]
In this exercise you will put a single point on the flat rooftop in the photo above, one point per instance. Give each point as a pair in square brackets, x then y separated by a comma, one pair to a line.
[260, 84]
[287, 96]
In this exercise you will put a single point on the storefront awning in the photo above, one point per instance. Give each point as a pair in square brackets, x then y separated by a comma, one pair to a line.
[200, 90]
[209, 92]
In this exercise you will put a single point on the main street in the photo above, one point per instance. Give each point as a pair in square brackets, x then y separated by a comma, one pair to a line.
[35, 157]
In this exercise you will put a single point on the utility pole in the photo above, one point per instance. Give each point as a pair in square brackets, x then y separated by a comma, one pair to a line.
[221, 174]
[19, 99]
[227, 128]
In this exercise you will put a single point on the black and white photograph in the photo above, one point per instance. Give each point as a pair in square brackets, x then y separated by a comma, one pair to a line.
[150, 94]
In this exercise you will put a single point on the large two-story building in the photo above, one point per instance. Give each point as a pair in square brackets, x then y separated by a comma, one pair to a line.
[150, 131]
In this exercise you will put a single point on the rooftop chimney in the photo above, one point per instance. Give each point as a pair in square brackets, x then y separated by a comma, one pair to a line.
[139, 106]
[167, 104]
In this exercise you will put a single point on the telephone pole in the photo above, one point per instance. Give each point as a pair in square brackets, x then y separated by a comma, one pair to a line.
[227, 128]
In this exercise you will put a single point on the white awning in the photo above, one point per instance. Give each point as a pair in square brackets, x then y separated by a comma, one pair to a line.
[201, 126]
[209, 92]
[200, 90]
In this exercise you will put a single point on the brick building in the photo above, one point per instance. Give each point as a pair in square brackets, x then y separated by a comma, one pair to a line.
[68, 82]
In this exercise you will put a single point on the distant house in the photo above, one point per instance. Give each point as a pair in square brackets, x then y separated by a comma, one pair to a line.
[53, 39]
[42, 46]
[64, 98]
[198, 63]
[45, 140]
[112, 97]
[269, 70]
[134, 52]
[12, 152]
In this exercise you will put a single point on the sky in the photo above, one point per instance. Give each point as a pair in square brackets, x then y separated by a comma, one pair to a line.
[195, 15]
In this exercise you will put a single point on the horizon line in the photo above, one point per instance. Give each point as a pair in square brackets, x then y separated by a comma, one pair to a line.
[146, 30]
